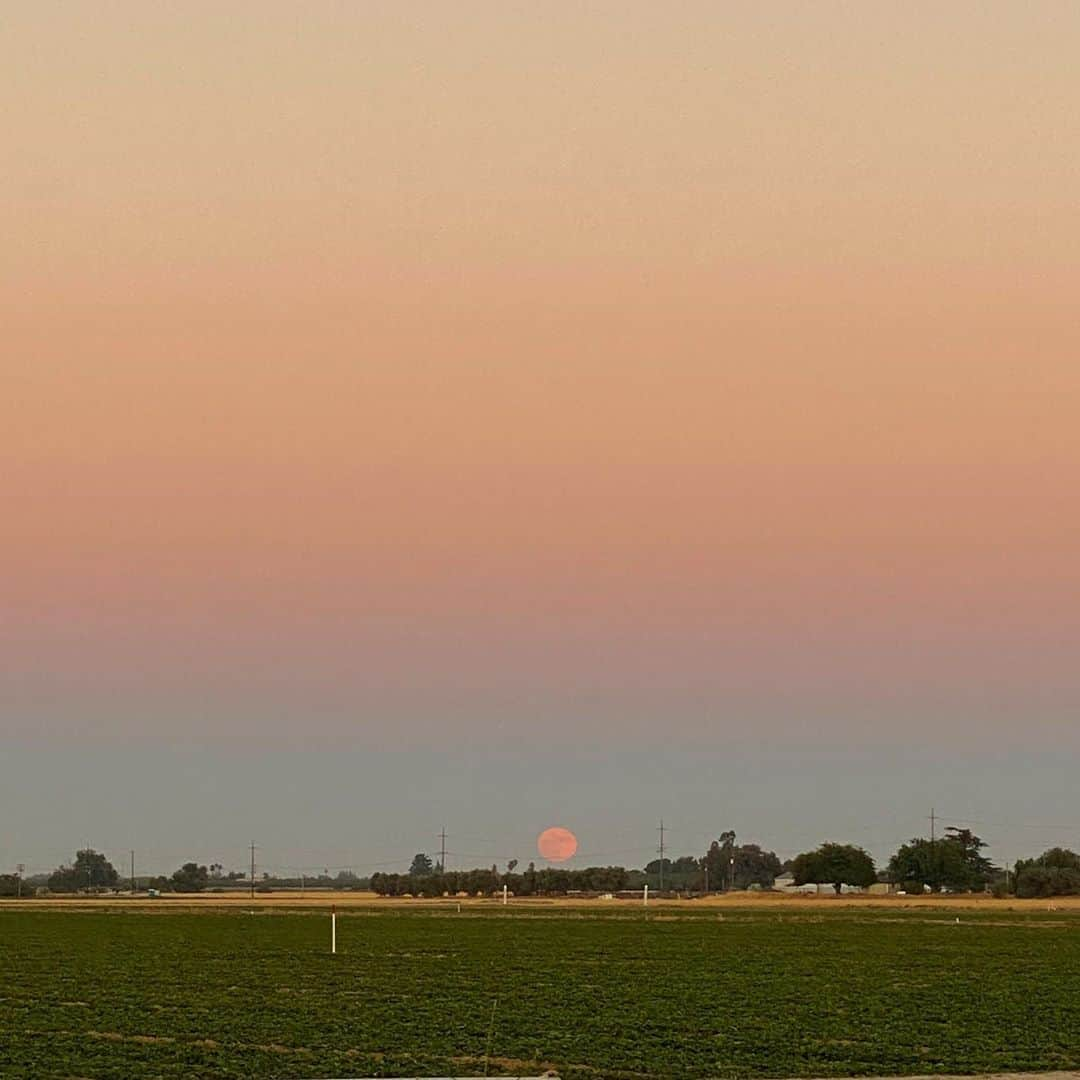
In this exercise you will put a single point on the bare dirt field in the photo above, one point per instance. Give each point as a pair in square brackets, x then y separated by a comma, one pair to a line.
[743, 900]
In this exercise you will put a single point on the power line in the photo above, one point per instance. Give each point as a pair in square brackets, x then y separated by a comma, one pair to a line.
[661, 850]
[616, 851]
[876, 833]
[1013, 824]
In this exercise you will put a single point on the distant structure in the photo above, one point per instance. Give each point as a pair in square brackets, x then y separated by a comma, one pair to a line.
[785, 883]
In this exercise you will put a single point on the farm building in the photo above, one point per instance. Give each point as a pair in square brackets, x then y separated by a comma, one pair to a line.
[785, 883]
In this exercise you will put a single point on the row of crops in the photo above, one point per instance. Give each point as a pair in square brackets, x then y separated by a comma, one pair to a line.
[132, 995]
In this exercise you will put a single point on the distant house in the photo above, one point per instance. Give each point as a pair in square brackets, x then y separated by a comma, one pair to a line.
[785, 883]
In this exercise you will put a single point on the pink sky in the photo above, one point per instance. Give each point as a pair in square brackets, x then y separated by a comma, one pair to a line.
[455, 371]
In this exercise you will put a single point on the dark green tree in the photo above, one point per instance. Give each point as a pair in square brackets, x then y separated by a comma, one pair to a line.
[915, 865]
[965, 867]
[1054, 873]
[91, 870]
[738, 866]
[529, 880]
[680, 875]
[421, 865]
[755, 866]
[726, 848]
[836, 865]
[11, 885]
[716, 864]
[954, 862]
[190, 878]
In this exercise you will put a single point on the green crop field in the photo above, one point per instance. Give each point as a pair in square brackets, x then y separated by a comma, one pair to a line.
[123, 994]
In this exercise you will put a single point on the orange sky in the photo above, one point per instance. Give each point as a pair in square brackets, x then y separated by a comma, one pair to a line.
[393, 369]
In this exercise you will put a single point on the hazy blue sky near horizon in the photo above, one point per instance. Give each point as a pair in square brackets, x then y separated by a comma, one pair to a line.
[328, 808]
[495, 416]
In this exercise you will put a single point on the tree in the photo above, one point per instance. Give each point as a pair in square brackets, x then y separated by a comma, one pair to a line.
[11, 885]
[914, 865]
[653, 873]
[714, 866]
[1054, 873]
[529, 880]
[190, 878]
[955, 862]
[550, 881]
[421, 865]
[731, 866]
[754, 866]
[965, 866]
[717, 863]
[90, 871]
[836, 865]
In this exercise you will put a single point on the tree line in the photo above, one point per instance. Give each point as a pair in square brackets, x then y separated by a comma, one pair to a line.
[954, 862]
[547, 881]
[91, 871]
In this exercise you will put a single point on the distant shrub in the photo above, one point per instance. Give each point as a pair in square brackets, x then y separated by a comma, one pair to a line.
[1054, 873]
[1047, 881]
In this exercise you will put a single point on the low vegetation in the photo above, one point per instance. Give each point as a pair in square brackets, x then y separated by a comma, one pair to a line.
[1054, 873]
[126, 996]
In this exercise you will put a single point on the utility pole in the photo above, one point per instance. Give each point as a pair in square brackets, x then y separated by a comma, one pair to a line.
[133, 873]
[661, 849]
[251, 884]
[933, 848]
[19, 868]
[442, 850]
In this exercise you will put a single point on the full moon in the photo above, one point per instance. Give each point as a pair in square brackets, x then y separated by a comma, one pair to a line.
[556, 844]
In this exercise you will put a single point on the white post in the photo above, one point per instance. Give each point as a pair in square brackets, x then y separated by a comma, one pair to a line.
[333, 930]
[504, 896]
[646, 895]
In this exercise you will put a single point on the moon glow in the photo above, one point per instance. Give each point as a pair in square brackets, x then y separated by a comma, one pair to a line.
[556, 844]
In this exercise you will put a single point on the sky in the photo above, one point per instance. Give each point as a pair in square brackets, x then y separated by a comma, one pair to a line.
[498, 415]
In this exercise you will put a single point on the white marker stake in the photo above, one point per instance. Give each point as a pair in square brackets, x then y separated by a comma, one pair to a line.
[333, 930]
[646, 895]
[504, 896]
